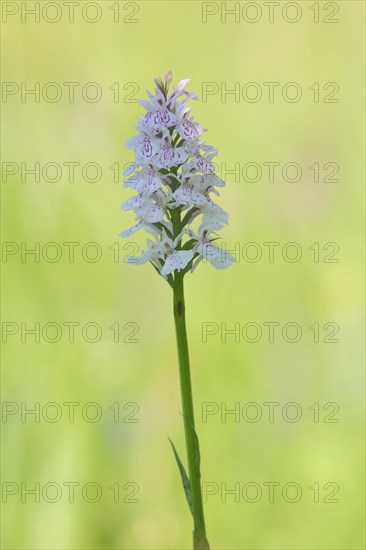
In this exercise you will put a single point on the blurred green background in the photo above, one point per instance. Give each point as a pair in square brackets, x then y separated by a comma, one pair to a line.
[134, 43]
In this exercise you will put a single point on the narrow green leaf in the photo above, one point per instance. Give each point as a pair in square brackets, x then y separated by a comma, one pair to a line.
[188, 244]
[185, 479]
[188, 216]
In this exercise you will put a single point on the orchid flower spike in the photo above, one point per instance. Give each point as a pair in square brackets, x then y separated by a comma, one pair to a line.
[174, 177]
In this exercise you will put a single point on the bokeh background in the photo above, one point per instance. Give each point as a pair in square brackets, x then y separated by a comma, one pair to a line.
[134, 43]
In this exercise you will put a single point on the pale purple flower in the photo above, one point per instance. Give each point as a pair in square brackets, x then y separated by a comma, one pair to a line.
[169, 155]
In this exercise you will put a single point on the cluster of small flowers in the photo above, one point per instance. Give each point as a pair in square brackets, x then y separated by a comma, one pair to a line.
[173, 174]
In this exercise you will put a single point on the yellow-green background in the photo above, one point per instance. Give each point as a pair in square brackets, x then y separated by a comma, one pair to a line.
[170, 35]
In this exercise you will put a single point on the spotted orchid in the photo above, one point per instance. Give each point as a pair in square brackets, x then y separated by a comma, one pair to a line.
[174, 177]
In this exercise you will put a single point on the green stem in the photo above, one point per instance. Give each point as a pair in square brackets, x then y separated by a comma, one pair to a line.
[199, 534]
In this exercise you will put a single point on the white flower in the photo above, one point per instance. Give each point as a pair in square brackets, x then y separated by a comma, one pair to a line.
[152, 209]
[159, 119]
[158, 115]
[186, 127]
[134, 202]
[202, 163]
[153, 252]
[188, 182]
[175, 259]
[145, 146]
[146, 181]
[195, 189]
[218, 257]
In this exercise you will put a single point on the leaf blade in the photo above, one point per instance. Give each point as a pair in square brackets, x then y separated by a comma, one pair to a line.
[184, 477]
